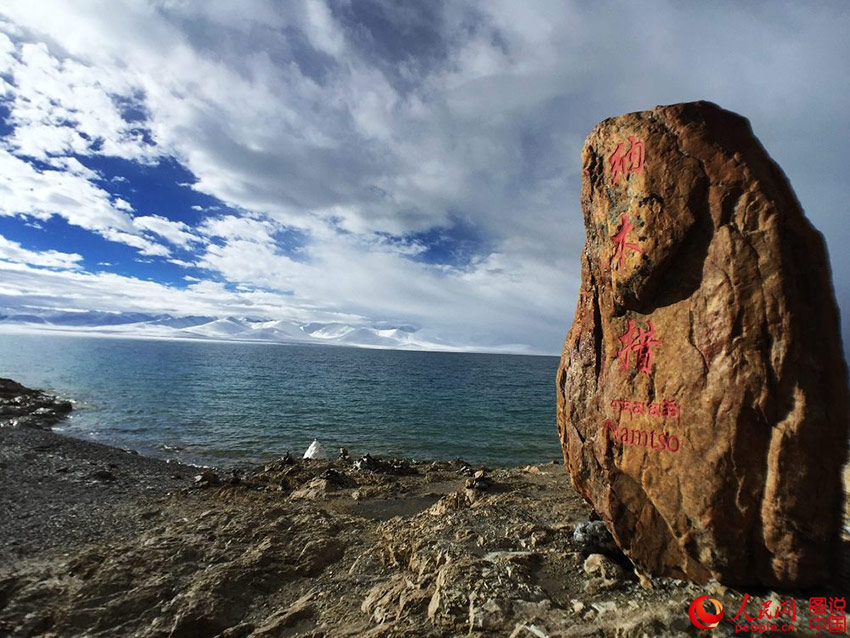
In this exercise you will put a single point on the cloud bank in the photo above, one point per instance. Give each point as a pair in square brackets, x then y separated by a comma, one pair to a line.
[369, 162]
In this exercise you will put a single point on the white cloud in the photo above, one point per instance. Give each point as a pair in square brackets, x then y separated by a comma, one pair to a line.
[299, 117]
[345, 275]
[14, 252]
[239, 228]
[144, 246]
[22, 285]
[63, 107]
[175, 232]
[68, 193]
[322, 29]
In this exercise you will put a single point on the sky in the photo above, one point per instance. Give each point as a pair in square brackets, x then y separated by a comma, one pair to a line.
[372, 162]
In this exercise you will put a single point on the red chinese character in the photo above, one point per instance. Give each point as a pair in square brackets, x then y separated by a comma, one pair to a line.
[617, 160]
[741, 610]
[837, 621]
[635, 156]
[641, 343]
[788, 608]
[622, 244]
[764, 610]
[817, 605]
[817, 623]
[836, 624]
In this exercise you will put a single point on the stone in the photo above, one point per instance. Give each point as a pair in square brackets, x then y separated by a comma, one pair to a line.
[368, 463]
[702, 395]
[452, 502]
[388, 601]
[481, 594]
[103, 475]
[593, 537]
[596, 585]
[605, 607]
[524, 629]
[231, 561]
[479, 482]
[601, 565]
[316, 488]
[489, 614]
[207, 478]
[315, 451]
[337, 478]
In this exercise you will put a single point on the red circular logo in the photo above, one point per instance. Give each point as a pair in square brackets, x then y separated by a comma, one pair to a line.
[705, 612]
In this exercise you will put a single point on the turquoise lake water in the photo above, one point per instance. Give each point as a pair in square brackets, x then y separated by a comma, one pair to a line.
[221, 403]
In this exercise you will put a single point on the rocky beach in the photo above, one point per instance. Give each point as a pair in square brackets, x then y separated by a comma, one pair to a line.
[98, 541]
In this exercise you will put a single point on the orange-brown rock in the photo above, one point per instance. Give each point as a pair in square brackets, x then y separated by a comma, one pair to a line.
[702, 391]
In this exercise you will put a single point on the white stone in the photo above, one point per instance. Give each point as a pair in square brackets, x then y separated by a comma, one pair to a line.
[315, 451]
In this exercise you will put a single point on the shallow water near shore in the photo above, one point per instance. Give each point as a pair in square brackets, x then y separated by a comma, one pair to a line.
[223, 403]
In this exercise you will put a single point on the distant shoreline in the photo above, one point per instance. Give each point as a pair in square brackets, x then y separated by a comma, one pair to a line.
[227, 465]
[100, 332]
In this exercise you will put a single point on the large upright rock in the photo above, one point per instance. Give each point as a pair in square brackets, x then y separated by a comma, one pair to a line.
[702, 391]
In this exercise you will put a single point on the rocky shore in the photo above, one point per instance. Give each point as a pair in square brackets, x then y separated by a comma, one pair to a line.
[24, 407]
[97, 541]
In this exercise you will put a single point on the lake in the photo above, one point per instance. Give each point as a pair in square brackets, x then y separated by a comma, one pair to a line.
[223, 403]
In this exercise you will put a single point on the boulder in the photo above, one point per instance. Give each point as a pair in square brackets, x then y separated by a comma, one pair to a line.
[702, 395]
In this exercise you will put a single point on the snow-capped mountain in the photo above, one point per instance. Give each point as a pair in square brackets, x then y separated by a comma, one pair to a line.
[228, 328]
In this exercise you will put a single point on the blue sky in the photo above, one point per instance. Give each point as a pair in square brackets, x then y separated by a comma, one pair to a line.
[374, 163]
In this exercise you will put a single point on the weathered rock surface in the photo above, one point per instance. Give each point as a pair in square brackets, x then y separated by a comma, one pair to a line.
[702, 392]
[417, 555]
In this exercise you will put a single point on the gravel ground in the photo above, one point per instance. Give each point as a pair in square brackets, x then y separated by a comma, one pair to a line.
[57, 492]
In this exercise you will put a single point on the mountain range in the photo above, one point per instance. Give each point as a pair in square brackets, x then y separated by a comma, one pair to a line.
[164, 326]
